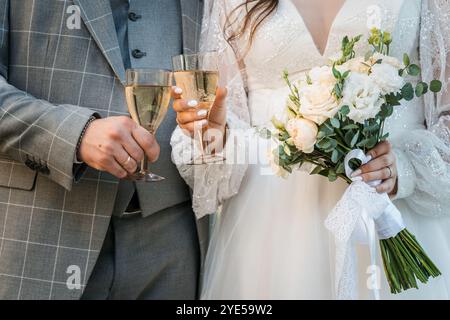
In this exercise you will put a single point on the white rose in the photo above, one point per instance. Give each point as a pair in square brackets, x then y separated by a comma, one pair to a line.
[386, 59]
[322, 75]
[363, 96]
[303, 133]
[387, 78]
[355, 65]
[317, 102]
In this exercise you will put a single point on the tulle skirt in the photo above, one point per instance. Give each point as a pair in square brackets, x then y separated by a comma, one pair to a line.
[269, 242]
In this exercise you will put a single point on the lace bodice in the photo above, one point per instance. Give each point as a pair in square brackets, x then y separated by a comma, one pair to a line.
[283, 42]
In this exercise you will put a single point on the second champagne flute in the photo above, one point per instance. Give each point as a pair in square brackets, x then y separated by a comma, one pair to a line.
[198, 76]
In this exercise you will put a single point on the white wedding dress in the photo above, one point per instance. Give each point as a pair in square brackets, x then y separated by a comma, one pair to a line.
[269, 239]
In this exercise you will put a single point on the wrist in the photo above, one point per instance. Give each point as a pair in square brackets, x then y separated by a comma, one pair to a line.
[78, 157]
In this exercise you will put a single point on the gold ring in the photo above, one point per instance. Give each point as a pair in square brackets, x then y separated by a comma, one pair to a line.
[390, 171]
[128, 161]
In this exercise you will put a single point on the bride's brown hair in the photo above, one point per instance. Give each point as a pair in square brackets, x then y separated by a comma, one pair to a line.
[256, 11]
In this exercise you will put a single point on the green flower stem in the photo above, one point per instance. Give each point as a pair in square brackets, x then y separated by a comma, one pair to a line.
[343, 146]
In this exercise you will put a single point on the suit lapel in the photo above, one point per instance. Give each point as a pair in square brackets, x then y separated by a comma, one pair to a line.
[97, 16]
[191, 17]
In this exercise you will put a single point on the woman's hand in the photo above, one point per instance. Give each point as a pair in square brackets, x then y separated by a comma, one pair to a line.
[193, 119]
[191, 115]
[381, 167]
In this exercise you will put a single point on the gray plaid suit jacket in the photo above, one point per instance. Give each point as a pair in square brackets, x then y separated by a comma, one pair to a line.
[52, 80]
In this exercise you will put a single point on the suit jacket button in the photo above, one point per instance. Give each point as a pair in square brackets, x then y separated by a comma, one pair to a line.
[133, 16]
[138, 54]
[30, 164]
[44, 170]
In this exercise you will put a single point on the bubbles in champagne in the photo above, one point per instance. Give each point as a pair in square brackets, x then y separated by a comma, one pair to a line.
[148, 104]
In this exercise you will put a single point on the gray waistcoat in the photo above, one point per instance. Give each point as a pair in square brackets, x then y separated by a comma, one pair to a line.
[153, 28]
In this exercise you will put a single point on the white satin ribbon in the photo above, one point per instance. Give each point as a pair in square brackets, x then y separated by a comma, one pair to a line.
[359, 217]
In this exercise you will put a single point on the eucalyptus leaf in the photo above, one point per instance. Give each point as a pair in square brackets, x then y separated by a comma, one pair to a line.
[340, 168]
[335, 156]
[332, 176]
[435, 86]
[316, 170]
[406, 60]
[354, 139]
[265, 133]
[335, 123]
[350, 127]
[407, 92]
[336, 73]
[414, 70]
[348, 137]
[421, 89]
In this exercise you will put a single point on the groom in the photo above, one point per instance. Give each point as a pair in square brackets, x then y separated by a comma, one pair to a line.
[67, 230]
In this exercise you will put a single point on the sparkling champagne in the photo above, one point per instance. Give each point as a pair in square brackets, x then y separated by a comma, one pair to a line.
[198, 85]
[148, 104]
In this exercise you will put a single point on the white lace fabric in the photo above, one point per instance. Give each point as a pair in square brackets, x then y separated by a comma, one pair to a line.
[269, 240]
[422, 155]
[212, 184]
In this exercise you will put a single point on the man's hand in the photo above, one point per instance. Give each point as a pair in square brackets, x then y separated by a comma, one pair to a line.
[190, 116]
[116, 145]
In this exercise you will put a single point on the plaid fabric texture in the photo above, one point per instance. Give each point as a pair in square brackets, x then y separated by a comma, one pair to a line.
[53, 78]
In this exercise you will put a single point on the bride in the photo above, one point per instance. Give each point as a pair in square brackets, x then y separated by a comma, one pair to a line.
[269, 239]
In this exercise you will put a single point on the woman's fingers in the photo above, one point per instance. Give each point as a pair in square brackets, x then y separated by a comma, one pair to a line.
[182, 105]
[191, 116]
[380, 149]
[191, 127]
[176, 92]
[379, 163]
[387, 186]
[382, 174]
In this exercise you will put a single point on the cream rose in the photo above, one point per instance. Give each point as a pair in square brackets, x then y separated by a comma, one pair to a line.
[363, 96]
[277, 169]
[355, 65]
[386, 59]
[317, 103]
[303, 133]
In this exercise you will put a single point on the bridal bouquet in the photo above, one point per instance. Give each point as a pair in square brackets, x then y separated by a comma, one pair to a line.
[335, 114]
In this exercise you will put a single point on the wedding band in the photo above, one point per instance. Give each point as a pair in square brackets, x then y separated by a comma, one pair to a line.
[390, 172]
[128, 161]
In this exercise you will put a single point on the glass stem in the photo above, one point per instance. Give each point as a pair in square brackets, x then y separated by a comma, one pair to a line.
[144, 165]
[200, 141]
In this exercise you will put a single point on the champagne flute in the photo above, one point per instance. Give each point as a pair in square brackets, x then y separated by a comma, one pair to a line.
[198, 76]
[148, 97]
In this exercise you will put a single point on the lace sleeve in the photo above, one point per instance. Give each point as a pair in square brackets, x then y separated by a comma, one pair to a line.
[435, 56]
[424, 157]
[212, 184]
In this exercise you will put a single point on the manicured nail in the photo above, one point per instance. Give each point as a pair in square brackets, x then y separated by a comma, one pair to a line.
[368, 157]
[192, 103]
[357, 179]
[202, 123]
[202, 113]
[178, 90]
[356, 173]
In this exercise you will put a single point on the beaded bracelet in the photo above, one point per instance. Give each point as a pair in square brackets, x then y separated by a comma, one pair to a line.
[91, 119]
